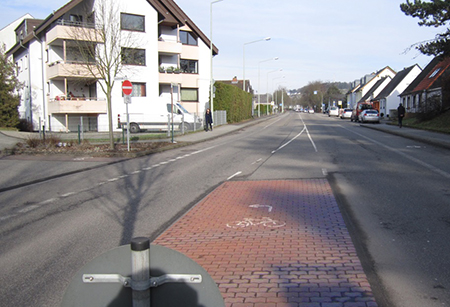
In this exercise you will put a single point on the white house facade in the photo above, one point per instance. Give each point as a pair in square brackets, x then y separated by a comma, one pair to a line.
[365, 84]
[389, 98]
[167, 60]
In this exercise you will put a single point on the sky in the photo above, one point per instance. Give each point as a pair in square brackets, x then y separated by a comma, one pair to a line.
[321, 40]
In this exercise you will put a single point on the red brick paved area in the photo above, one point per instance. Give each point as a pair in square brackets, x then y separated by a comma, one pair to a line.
[273, 243]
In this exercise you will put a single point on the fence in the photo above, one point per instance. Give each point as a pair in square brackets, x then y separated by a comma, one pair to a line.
[220, 118]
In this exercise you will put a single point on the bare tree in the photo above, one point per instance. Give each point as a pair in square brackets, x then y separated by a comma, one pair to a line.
[102, 48]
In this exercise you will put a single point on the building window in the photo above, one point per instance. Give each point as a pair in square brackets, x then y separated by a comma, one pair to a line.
[189, 66]
[80, 54]
[138, 90]
[188, 38]
[434, 73]
[132, 56]
[132, 22]
[75, 19]
[189, 94]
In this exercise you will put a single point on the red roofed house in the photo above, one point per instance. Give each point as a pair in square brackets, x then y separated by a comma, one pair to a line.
[427, 84]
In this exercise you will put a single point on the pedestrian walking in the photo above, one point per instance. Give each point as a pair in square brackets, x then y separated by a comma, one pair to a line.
[401, 114]
[208, 120]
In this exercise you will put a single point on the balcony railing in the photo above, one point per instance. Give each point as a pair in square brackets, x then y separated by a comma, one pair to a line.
[66, 30]
[59, 69]
[185, 79]
[59, 105]
[171, 47]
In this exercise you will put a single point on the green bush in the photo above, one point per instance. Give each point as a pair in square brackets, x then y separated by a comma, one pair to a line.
[234, 100]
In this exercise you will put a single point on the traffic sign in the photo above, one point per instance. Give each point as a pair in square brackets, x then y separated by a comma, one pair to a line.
[127, 87]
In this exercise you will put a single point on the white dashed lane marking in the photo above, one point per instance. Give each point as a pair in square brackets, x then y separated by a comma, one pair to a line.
[51, 200]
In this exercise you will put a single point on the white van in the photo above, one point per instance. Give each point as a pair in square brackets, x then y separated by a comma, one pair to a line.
[162, 120]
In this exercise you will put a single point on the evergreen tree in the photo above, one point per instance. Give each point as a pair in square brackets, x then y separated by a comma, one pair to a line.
[434, 13]
[9, 99]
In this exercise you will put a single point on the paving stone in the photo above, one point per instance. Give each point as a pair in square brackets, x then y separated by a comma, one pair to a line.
[273, 243]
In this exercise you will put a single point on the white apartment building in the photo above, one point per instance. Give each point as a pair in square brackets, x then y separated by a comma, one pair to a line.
[59, 92]
[7, 35]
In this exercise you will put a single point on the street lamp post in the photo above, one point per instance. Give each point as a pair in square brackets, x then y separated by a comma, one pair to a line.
[243, 61]
[212, 54]
[267, 81]
[276, 79]
[282, 97]
[259, 87]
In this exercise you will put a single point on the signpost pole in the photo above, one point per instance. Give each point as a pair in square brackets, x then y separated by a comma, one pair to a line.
[128, 128]
[140, 270]
[127, 89]
[171, 107]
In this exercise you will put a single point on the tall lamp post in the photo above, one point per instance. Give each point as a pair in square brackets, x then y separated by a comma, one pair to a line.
[212, 54]
[267, 85]
[243, 61]
[276, 79]
[282, 97]
[259, 87]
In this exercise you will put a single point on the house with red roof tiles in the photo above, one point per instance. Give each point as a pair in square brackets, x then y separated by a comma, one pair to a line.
[427, 85]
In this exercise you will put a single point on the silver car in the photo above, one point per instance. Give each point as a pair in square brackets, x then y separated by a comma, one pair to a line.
[369, 116]
[346, 113]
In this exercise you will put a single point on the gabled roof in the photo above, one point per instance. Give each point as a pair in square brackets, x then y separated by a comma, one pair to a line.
[373, 88]
[377, 74]
[169, 13]
[432, 79]
[239, 83]
[171, 8]
[429, 77]
[387, 91]
[355, 88]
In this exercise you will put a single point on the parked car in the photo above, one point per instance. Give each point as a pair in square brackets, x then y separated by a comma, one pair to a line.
[361, 106]
[369, 116]
[346, 113]
[311, 111]
[333, 111]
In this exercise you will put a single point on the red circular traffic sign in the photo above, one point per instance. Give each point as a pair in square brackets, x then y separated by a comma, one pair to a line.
[127, 87]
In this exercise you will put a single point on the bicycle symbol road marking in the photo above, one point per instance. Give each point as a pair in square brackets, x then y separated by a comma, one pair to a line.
[248, 222]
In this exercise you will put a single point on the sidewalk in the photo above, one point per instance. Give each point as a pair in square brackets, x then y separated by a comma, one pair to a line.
[428, 137]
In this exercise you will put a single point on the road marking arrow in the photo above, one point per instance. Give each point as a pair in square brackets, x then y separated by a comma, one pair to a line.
[269, 208]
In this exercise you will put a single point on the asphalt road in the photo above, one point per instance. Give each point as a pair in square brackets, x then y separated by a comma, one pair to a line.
[393, 192]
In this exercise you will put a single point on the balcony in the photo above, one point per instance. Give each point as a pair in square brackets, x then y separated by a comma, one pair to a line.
[71, 31]
[59, 69]
[169, 78]
[169, 47]
[77, 106]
